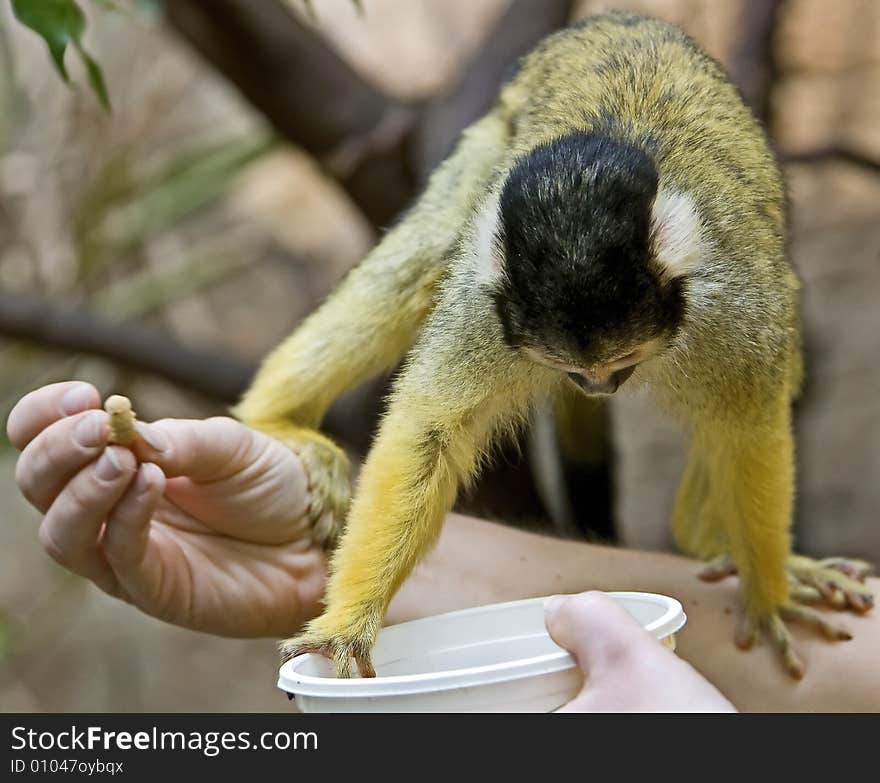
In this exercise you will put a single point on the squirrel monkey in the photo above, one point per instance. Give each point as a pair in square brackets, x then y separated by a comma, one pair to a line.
[616, 218]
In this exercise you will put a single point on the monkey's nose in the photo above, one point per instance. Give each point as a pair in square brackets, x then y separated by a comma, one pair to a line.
[592, 386]
[609, 386]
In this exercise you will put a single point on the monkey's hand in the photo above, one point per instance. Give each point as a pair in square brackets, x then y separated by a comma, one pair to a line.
[835, 582]
[339, 636]
[329, 476]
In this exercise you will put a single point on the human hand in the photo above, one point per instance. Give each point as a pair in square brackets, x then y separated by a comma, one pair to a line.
[200, 523]
[625, 670]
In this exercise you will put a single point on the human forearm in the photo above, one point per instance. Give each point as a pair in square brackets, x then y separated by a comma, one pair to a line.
[478, 562]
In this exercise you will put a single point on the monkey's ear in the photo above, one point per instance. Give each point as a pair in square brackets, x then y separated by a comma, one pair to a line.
[676, 231]
[486, 241]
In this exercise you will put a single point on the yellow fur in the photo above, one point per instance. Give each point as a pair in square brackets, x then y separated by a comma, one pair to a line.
[371, 319]
[729, 374]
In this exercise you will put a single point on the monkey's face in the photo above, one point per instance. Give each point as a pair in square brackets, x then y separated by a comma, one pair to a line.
[583, 279]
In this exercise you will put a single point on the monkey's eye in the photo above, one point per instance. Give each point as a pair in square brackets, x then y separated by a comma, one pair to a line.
[624, 358]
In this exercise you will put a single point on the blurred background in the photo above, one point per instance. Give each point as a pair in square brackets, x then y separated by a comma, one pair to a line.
[254, 152]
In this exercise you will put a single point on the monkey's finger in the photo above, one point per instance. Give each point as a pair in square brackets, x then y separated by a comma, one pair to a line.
[808, 616]
[803, 593]
[746, 633]
[860, 603]
[839, 590]
[324, 528]
[781, 639]
[854, 569]
[833, 595]
[126, 534]
[46, 405]
[718, 569]
[57, 453]
[72, 525]
[365, 665]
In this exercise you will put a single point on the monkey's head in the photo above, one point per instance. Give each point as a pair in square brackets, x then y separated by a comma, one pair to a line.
[584, 258]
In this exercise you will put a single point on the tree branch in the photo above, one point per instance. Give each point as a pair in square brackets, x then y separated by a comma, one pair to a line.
[520, 28]
[71, 328]
[753, 65]
[379, 149]
[309, 94]
[215, 374]
[833, 154]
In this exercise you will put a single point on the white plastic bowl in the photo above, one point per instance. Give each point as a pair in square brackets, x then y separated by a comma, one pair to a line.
[496, 658]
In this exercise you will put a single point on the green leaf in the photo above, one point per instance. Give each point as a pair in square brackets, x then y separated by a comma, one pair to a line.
[96, 77]
[60, 23]
[57, 22]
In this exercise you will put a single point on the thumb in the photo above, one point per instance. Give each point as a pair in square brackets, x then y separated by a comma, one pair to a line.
[594, 628]
[201, 449]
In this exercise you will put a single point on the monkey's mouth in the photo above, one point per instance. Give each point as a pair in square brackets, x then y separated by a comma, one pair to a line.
[598, 388]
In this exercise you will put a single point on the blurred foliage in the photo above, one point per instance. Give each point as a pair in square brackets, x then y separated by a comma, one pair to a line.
[115, 224]
[121, 213]
[61, 23]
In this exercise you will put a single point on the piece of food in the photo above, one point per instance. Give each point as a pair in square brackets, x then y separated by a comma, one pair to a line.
[122, 417]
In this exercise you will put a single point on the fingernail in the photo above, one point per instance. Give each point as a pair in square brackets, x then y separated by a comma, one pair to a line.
[89, 430]
[156, 439]
[108, 467]
[552, 604]
[77, 399]
[142, 482]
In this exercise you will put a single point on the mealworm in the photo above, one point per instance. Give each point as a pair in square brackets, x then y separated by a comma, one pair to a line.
[122, 418]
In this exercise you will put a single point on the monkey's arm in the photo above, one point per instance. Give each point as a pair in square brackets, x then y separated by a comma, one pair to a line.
[370, 320]
[736, 501]
[460, 386]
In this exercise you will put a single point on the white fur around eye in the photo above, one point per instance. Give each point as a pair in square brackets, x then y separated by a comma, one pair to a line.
[488, 258]
[676, 229]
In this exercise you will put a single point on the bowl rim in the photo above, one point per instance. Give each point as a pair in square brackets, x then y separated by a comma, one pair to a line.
[292, 681]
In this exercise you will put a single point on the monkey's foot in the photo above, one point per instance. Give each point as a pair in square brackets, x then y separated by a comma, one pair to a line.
[749, 629]
[834, 581]
[329, 475]
[339, 646]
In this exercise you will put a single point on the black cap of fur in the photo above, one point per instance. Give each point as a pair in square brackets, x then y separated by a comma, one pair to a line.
[575, 228]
